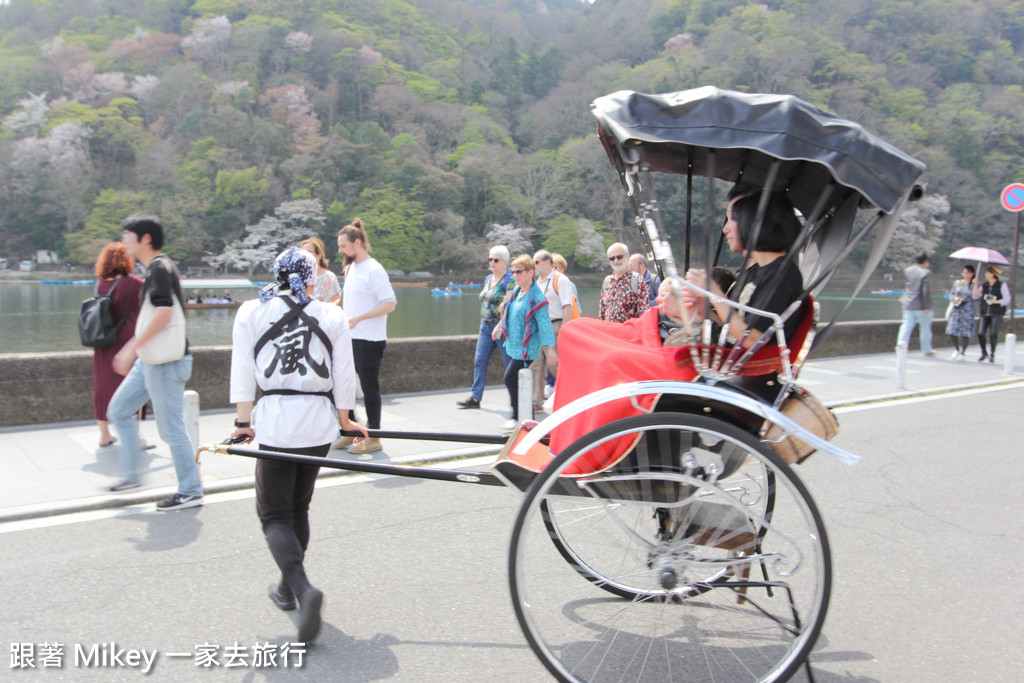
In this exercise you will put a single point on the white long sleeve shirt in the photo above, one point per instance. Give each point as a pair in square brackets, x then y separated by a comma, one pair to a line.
[297, 360]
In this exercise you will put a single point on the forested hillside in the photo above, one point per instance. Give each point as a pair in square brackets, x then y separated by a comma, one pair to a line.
[445, 123]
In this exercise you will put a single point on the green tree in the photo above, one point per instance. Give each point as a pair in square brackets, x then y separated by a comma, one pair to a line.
[104, 223]
[396, 228]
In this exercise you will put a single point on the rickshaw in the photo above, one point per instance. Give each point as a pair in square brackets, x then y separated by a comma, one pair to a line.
[676, 543]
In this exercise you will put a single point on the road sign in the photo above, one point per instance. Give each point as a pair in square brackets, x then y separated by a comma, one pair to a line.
[1012, 197]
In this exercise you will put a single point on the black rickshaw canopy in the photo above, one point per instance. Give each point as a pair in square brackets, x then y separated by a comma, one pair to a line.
[749, 131]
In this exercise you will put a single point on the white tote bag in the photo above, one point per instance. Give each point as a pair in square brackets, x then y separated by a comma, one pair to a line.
[169, 343]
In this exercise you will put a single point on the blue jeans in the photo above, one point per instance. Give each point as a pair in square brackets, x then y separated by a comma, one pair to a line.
[485, 347]
[912, 318]
[164, 385]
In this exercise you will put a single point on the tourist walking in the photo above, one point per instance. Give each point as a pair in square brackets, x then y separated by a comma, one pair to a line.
[492, 296]
[623, 293]
[995, 297]
[156, 363]
[526, 328]
[326, 287]
[367, 299]
[960, 318]
[916, 302]
[114, 279]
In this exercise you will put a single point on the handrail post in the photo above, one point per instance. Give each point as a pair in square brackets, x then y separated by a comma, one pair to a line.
[1008, 344]
[525, 394]
[901, 365]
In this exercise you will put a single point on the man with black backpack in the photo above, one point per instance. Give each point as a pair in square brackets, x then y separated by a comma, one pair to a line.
[156, 364]
[298, 352]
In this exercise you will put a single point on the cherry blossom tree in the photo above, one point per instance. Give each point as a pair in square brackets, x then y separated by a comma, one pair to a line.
[919, 230]
[29, 118]
[516, 239]
[292, 222]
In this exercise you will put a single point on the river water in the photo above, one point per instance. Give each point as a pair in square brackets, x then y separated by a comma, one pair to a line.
[37, 317]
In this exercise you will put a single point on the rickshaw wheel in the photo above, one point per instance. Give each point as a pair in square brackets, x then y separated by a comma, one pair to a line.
[713, 549]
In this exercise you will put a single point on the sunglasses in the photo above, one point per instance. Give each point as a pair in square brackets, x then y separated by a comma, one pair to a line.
[617, 257]
[518, 271]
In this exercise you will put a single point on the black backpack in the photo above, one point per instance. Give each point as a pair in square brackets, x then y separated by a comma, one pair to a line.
[96, 326]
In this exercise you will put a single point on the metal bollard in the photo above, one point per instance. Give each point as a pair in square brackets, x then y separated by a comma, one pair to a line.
[1011, 341]
[901, 365]
[192, 416]
[525, 394]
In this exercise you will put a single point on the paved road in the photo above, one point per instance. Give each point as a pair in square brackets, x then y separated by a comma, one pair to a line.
[925, 533]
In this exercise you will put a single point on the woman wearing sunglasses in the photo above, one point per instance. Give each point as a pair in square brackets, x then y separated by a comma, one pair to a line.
[526, 327]
[492, 295]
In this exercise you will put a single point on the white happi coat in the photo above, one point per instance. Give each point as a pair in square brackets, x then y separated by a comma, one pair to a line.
[296, 359]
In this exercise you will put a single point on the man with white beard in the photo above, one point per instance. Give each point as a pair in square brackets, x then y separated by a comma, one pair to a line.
[624, 294]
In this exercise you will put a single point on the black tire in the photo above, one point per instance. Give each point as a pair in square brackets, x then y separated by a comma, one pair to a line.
[724, 579]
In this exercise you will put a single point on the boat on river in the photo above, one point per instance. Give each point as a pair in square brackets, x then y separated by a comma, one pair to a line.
[446, 292]
[219, 292]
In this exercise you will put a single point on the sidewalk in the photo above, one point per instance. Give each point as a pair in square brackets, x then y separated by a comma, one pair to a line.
[56, 469]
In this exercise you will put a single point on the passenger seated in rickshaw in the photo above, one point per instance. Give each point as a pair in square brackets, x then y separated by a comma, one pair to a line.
[596, 354]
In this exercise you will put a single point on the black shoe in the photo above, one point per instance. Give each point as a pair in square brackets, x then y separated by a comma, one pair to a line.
[282, 597]
[124, 486]
[983, 357]
[178, 501]
[309, 616]
[992, 359]
[469, 403]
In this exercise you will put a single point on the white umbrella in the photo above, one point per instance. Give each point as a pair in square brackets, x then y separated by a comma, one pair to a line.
[982, 254]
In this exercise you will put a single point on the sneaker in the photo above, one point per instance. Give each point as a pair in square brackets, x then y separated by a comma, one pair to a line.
[548, 390]
[124, 486]
[343, 442]
[469, 403]
[282, 597]
[509, 425]
[955, 356]
[365, 446]
[178, 501]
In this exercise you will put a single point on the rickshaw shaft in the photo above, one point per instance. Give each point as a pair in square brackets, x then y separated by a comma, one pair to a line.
[432, 436]
[465, 477]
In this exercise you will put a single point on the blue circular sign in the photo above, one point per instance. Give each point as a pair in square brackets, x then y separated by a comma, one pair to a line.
[1012, 197]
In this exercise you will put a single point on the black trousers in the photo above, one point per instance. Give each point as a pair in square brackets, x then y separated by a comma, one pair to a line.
[367, 357]
[988, 326]
[283, 493]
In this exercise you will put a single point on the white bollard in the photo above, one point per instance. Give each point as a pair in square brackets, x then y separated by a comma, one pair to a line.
[901, 365]
[525, 394]
[1011, 341]
[192, 416]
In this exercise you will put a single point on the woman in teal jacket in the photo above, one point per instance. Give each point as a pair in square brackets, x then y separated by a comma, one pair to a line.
[526, 327]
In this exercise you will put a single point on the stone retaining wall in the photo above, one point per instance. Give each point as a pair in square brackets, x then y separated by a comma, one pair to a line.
[43, 388]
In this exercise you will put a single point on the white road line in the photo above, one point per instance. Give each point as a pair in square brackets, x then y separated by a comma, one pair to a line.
[924, 399]
[223, 497]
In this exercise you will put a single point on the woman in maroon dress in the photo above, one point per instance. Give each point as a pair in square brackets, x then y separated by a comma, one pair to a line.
[114, 265]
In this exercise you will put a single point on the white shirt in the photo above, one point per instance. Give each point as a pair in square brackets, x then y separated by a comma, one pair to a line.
[556, 300]
[366, 287]
[297, 359]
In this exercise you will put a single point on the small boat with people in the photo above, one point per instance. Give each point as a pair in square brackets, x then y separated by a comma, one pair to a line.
[207, 293]
[446, 292]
